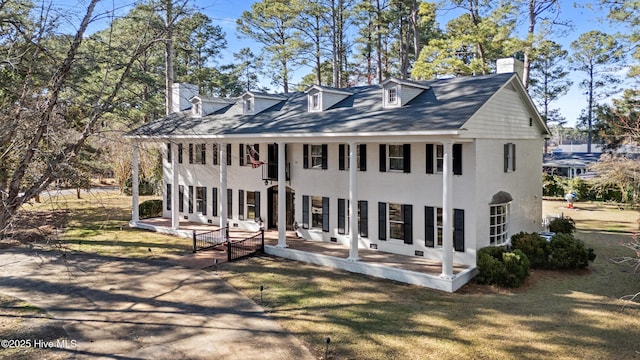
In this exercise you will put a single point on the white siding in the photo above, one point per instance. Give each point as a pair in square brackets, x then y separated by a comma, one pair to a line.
[504, 116]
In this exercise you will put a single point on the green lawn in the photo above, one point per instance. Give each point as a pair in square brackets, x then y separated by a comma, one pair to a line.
[575, 315]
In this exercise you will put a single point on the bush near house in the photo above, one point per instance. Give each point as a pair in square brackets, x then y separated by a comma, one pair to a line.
[563, 225]
[534, 246]
[498, 266]
[567, 252]
[150, 208]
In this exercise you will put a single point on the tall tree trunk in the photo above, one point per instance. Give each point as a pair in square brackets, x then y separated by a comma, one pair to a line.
[379, 39]
[168, 57]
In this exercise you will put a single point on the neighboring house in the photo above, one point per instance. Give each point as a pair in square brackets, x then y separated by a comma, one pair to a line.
[569, 164]
[436, 169]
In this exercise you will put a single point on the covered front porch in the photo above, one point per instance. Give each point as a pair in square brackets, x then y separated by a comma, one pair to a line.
[407, 269]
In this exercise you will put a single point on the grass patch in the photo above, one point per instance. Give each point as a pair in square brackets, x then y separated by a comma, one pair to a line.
[555, 314]
[98, 223]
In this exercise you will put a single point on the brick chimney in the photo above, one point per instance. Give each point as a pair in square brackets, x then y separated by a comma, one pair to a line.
[510, 65]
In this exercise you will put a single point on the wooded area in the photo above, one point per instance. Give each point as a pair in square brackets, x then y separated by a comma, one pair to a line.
[68, 97]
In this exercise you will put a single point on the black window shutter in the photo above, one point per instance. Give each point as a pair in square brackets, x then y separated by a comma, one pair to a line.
[241, 204]
[257, 207]
[305, 211]
[229, 203]
[513, 156]
[341, 216]
[407, 157]
[383, 157]
[190, 199]
[429, 157]
[305, 156]
[214, 201]
[181, 198]
[325, 151]
[341, 157]
[382, 221]
[216, 154]
[179, 153]
[325, 214]
[429, 226]
[256, 147]
[458, 229]
[363, 157]
[364, 218]
[204, 153]
[204, 201]
[168, 198]
[229, 154]
[457, 159]
[190, 153]
[408, 223]
[506, 157]
[169, 152]
[241, 154]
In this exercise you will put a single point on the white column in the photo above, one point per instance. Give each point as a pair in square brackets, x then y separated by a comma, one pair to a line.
[282, 197]
[447, 210]
[223, 185]
[135, 211]
[175, 198]
[353, 202]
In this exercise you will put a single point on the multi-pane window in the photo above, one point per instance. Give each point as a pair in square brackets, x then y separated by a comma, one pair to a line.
[392, 95]
[316, 156]
[498, 224]
[434, 228]
[439, 158]
[247, 105]
[396, 221]
[396, 157]
[315, 101]
[251, 205]
[201, 200]
[316, 211]
[201, 154]
[438, 227]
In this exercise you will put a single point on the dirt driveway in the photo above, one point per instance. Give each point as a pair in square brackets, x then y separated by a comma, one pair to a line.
[116, 308]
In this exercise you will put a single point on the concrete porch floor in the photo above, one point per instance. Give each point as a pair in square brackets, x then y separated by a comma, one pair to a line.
[417, 270]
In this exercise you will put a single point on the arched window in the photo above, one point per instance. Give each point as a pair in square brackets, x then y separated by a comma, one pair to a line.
[499, 218]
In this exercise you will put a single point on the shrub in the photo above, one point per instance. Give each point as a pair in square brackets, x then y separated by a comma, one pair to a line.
[534, 246]
[150, 208]
[498, 266]
[567, 252]
[145, 187]
[564, 225]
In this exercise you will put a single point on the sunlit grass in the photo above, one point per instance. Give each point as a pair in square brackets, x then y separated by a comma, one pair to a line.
[98, 223]
[575, 315]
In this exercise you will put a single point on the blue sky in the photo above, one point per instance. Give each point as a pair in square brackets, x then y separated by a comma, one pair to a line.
[225, 12]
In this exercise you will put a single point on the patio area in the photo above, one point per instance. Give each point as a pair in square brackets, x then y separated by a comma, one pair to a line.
[413, 270]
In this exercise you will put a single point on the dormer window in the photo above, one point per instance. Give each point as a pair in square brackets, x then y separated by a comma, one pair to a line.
[392, 95]
[197, 109]
[247, 105]
[315, 101]
[322, 98]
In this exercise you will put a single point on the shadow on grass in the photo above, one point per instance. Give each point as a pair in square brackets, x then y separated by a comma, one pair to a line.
[380, 319]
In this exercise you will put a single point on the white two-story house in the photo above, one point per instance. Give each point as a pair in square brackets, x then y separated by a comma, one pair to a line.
[435, 169]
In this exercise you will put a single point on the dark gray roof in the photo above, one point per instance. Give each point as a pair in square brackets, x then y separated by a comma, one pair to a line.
[447, 105]
[570, 159]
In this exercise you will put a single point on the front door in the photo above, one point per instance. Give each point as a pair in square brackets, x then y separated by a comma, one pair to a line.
[272, 204]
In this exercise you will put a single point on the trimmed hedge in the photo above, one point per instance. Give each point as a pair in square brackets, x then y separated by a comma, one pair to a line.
[150, 208]
[564, 225]
[534, 246]
[568, 252]
[498, 266]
